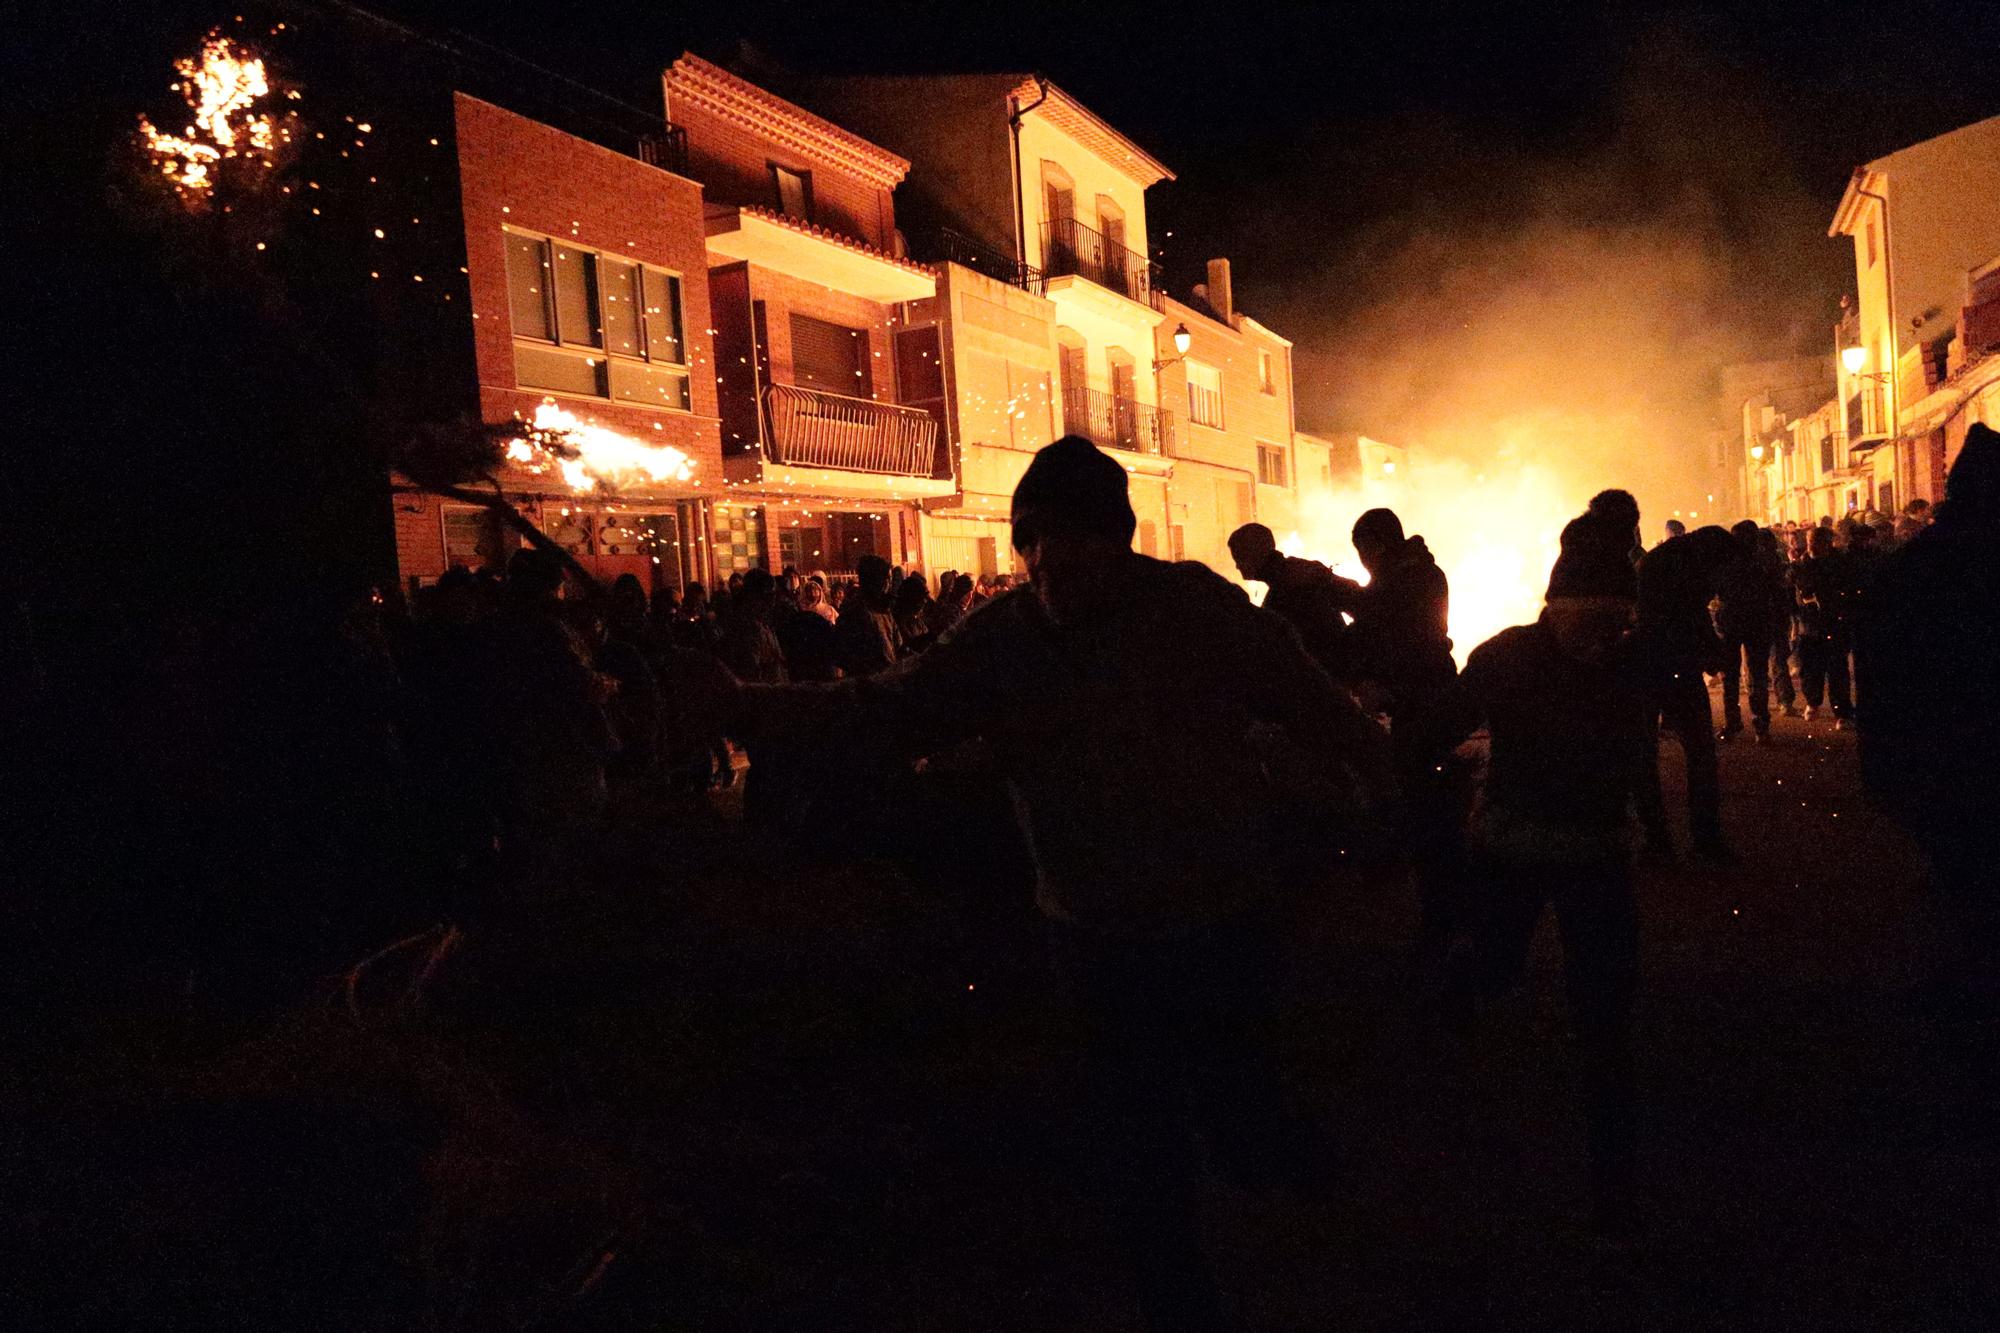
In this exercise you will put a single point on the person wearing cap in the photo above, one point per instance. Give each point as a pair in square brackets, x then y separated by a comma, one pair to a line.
[1568, 717]
[1120, 696]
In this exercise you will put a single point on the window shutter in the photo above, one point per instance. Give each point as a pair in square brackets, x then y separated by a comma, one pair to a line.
[830, 357]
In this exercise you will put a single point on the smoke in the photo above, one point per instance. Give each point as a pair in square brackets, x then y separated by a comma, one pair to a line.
[1537, 326]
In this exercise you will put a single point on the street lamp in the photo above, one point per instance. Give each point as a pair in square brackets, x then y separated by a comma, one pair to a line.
[1853, 358]
[1757, 451]
[1182, 341]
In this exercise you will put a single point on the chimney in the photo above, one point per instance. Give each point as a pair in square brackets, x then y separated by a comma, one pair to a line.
[1221, 299]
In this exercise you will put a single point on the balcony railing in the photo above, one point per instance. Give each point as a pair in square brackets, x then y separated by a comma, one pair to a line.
[947, 246]
[813, 428]
[1070, 247]
[1118, 423]
[665, 148]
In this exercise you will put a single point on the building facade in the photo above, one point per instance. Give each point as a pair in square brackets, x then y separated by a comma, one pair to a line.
[1923, 221]
[1032, 211]
[830, 425]
[1236, 459]
[586, 275]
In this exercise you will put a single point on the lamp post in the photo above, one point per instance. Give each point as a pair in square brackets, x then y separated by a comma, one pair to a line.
[1852, 358]
[1182, 341]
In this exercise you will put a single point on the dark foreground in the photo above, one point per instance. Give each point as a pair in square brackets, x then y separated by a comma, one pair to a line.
[710, 1090]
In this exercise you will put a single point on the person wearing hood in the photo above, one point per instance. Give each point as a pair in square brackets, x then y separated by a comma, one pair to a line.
[1571, 727]
[1927, 657]
[1402, 634]
[1121, 697]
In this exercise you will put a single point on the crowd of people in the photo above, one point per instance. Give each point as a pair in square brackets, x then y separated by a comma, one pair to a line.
[1155, 729]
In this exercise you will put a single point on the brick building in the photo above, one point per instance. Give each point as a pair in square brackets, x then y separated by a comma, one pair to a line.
[828, 401]
[587, 281]
[1032, 210]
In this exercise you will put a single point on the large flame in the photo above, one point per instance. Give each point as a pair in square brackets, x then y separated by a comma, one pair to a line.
[222, 89]
[1494, 529]
[589, 456]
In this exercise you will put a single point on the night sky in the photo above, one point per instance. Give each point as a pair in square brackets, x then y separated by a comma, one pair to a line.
[1381, 175]
[1300, 134]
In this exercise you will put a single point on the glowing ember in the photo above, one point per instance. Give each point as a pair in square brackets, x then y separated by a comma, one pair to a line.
[589, 456]
[1494, 533]
[221, 89]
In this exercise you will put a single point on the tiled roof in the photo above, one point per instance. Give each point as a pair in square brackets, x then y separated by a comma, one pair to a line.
[726, 95]
[1080, 123]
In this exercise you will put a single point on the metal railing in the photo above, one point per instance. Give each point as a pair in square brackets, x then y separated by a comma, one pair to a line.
[666, 148]
[1118, 423]
[813, 428]
[954, 247]
[1070, 247]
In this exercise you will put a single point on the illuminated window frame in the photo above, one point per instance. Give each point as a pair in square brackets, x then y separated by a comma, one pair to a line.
[609, 382]
[1204, 399]
[1273, 468]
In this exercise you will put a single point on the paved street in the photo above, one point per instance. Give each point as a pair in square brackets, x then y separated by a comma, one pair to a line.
[835, 1097]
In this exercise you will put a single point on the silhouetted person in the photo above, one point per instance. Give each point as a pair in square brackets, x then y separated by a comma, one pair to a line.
[1928, 656]
[1825, 588]
[912, 610]
[806, 636]
[1782, 636]
[626, 657]
[1119, 695]
[1753, 601]
[1618, 512]
[1402, 634]
[749, 644]
[544, 711]
[1306, 593]
[1570, 722]
[869, 641]
[1676, 643]
[1675, 528]
[1400, 654]
[952, 605]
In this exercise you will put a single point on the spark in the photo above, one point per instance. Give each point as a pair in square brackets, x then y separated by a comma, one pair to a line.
[221, 88]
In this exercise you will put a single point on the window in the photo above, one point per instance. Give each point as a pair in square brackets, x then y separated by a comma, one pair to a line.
[1204, 387]
[473, 539]
[828, 356]
[571, 306]
[794, 190]
[1264, 378]
[1271, 469]
[1825, 454]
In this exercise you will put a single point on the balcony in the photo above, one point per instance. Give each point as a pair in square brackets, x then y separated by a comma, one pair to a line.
[1118, 423]
[810, 428]
[946, 246]
[1070, 247]
[665, 148]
